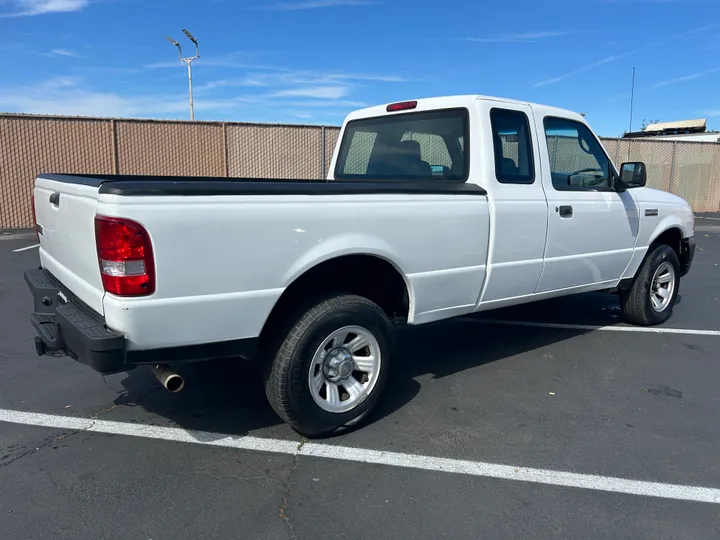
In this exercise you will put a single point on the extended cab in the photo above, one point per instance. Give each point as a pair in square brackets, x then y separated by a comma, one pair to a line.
[433, 208]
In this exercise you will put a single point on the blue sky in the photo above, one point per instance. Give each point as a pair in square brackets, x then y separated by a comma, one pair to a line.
[312, 61]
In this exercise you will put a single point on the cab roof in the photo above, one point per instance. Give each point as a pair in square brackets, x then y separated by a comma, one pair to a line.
[444, 102]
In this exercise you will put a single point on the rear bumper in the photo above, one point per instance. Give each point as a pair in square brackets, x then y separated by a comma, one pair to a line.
[687, 254]
[66, 325]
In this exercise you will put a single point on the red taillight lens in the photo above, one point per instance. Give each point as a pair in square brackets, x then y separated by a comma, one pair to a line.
[125, 255]
[402, 106]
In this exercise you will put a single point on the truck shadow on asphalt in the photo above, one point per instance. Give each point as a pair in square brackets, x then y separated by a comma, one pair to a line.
[227, 397]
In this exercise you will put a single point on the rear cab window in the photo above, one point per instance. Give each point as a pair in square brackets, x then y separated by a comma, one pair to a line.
[419, 146]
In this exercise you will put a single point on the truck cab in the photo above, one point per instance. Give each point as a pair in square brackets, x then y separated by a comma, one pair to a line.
[564, 218]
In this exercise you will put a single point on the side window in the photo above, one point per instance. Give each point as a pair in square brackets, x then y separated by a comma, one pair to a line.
[513, 147]
[577, 159]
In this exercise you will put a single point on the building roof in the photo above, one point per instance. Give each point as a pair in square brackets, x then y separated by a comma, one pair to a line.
[679, 125]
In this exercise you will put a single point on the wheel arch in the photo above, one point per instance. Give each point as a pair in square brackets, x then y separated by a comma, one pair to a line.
[365, 274]
[669, 232]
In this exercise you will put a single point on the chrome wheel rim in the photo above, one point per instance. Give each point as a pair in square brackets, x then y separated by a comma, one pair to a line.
[663, 287]
[344, 369]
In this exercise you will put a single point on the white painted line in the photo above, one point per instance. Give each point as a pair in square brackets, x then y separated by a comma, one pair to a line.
[712, 218]
[590, 327]
[376, 457]
[26, 248]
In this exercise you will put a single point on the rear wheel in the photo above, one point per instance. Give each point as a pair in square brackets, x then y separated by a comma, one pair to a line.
[330, 365]
[652, 296]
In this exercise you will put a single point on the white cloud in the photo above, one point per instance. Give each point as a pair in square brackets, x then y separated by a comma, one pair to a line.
[526, 37]
[66, 96]
[583, 69]
[64, 52]
[320, 92]
[301, 83]
[679, 35]
[317, 4]
[326, 104]
[70, 96]
[684, 78]
[29, 8]
[237, 59]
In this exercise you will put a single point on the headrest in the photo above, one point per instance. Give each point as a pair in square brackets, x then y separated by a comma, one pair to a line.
[411, 149]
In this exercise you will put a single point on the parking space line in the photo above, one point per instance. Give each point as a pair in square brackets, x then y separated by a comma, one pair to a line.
[26, 248]
[562, 326]
[376, 457]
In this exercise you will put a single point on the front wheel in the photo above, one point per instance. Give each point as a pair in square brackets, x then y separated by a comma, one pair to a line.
[330, 365]
[652, 296]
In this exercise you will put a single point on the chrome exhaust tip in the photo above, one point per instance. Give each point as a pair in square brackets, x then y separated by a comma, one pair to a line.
[171, 381]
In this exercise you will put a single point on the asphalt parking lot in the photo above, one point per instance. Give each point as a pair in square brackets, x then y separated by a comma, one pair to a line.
[573, 428]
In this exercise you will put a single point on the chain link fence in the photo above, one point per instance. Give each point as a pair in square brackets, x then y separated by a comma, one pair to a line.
[31, 145]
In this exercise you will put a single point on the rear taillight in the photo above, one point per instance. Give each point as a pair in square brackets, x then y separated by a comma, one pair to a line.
[125, 255]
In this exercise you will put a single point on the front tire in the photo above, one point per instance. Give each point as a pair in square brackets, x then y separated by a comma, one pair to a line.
[651, 298]
[330, 365]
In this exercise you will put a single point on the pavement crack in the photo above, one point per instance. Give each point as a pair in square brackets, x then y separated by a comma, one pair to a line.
[111, 387]
[136, 401]
[47, 442]
[44, 443]
[282, 511]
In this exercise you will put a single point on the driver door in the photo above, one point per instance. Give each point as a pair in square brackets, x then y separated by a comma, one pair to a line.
[591, 228]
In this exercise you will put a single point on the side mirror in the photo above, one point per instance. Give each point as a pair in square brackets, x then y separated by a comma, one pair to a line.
[633, 174]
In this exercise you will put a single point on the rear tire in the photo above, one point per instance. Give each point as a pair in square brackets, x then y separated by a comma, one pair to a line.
[342, 341]
[651, 298]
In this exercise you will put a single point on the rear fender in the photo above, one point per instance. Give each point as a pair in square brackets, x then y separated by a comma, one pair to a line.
[344, 245]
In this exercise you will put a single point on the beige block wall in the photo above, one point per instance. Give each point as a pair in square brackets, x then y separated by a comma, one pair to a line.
[30, 145]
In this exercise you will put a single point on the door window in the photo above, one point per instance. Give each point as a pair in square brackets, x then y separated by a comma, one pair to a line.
[513, 149]
[577, 159]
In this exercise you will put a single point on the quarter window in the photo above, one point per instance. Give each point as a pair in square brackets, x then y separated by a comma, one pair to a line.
[513, 147]
[577, 159]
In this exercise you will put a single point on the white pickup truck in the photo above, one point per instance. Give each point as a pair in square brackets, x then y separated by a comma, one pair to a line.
[433, 208]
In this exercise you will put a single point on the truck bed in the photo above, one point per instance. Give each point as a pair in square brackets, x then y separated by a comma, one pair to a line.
[223, 255]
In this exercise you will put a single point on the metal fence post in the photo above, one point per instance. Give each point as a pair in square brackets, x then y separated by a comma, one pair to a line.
[115, 158]
[225, 150]
[672, 167]
[322, 151]
[616, 155]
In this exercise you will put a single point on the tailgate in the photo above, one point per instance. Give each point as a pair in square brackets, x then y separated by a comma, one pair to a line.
[65, 212]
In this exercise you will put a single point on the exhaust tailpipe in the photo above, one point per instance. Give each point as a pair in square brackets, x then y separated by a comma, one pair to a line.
[168, 378]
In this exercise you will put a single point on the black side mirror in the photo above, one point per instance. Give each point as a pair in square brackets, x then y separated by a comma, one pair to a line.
[633, 174]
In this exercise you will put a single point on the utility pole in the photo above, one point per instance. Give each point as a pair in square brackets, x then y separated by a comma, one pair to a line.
[632, 99]
[188, 61]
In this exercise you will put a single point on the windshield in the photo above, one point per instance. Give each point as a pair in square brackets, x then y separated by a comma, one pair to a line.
[413, 146]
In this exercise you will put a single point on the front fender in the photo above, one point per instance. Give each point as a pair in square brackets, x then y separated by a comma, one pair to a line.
[670, 222]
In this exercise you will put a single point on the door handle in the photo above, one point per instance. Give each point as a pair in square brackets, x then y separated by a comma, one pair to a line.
[55, 199]
[565, 211]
